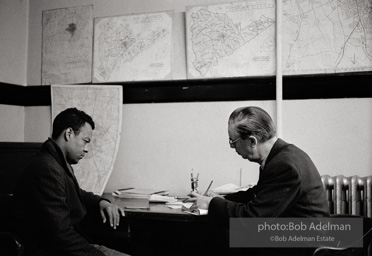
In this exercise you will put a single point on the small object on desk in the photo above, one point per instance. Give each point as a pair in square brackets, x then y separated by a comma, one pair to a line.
[188, 206]
[191, 208]
[181, 198]
[206, 192]
[178, 203]
[194, 182]
[186, 199]
[124, 189]
[175, 205]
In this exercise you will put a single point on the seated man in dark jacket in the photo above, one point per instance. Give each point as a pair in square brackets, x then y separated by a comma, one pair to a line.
[289, 184]
[50, 205]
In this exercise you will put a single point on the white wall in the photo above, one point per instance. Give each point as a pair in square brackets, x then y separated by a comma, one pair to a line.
[12, 123]
[336, 133]
[161, 143]
[13, 41]
[38, 124]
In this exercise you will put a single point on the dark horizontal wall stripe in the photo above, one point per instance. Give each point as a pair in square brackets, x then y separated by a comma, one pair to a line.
[357, 85]
[11, 94]
[347, 85]
[199, 90]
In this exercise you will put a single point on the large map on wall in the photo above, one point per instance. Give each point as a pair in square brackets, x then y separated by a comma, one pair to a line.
[133, 47]
[229, 40]
[67, 45]
[238, 39]
[327, 36]
[104, 104]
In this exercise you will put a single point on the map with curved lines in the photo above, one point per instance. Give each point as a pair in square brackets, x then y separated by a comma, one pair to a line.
[133, 47]
[67, 45]
[327, 36]
[230, 40]
[104, 104]
[318, 36]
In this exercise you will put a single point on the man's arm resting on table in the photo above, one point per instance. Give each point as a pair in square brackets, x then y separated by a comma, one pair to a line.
[106, 209]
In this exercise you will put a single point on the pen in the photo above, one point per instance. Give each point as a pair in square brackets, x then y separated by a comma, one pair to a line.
[206, 192]
[122, 189]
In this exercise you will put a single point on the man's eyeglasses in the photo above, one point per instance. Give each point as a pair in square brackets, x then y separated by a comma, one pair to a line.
[232, 142]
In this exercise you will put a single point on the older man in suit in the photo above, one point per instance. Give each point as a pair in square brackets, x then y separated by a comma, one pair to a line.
[289, 184]
[50, 205]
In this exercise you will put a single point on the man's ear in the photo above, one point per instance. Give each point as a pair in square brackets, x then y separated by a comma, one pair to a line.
[253, 141]
[68, 134]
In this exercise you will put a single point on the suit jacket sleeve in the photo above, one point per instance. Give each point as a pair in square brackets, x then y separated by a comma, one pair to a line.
[242, 196]
[277, 192]
[91, 200]
[51, 200]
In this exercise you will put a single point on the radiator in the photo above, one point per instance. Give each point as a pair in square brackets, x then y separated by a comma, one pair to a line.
[349, 195]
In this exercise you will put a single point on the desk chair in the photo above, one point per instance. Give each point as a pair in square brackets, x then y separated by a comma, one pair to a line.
[10, 244]
[350, 250]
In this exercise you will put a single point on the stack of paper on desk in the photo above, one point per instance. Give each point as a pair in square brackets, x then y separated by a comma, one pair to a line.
[155, 198]
[138, 193]
[133, 203]
[131, 196]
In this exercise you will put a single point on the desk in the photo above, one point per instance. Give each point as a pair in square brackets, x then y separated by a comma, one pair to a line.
[156, 211]
[161, 230]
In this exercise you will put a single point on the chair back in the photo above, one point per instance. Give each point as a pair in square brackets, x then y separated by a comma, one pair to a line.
[10, 244]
